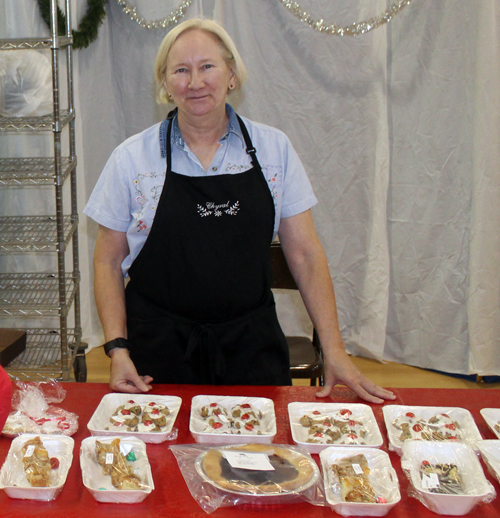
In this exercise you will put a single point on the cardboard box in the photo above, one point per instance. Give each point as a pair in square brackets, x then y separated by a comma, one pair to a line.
[12, 344]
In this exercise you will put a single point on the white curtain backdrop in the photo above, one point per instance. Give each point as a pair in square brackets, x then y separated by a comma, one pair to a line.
[399, 132]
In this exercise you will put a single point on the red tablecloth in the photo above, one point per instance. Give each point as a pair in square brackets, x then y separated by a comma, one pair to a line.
[171, 497]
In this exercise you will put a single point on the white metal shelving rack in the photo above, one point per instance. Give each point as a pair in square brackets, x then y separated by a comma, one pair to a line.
[55, 351]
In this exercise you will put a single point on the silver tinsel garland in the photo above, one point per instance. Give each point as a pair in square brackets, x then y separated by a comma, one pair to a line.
[354, 29]
[173, 18]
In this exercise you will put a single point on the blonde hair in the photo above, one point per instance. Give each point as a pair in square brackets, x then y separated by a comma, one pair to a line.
[229, 53]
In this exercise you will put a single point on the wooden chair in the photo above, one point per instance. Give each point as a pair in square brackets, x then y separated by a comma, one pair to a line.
[306, 359]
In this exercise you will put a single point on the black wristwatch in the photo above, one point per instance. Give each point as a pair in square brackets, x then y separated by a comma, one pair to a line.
[120, 343]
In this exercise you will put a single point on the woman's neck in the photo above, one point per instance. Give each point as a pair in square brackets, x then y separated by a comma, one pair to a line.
[202, 131]
[202, 135]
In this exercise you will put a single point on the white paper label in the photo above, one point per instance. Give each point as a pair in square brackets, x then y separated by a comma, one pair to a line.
[109, 458]
[430, 481]
[29, 450]
[357, 469]
[243, 460]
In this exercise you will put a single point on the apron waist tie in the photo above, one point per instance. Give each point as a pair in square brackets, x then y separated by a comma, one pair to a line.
[211, 356]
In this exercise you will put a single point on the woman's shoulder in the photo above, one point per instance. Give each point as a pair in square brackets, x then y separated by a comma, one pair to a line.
[145, 138]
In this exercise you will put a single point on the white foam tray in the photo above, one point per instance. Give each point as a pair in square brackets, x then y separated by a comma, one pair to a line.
[360, 412]
[100, 420]
[197, 424]
[382, 478]
[492, 418]
[476, 486]
[99, 485]
[468, 428]
[13, 479]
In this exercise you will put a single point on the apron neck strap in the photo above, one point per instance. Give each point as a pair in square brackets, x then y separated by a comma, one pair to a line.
[248, 142]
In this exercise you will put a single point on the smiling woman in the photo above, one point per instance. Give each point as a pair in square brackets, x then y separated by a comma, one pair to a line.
[188, 210]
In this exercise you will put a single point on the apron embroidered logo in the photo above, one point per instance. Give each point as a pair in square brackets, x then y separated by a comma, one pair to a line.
[218, 210]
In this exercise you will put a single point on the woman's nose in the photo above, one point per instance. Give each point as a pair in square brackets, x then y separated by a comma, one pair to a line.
[196, 81]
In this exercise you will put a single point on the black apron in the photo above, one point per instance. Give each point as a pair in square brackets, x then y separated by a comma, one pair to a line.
[199, 304]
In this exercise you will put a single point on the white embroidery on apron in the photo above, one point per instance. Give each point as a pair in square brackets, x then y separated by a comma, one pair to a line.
[218, 210]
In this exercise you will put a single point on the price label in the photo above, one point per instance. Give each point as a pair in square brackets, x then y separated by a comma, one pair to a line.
[430, 481]
[357, 469]
[109, 458]
[30, 450]
[243, 460]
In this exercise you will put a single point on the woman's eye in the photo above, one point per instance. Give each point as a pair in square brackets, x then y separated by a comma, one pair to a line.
[208, 66]
[180, 70]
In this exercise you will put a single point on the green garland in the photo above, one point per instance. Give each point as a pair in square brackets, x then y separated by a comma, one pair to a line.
[89, 26]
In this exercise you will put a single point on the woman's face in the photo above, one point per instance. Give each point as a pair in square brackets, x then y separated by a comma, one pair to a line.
[197, 77]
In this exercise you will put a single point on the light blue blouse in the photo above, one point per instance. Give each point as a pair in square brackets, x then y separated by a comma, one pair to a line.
[128, 191]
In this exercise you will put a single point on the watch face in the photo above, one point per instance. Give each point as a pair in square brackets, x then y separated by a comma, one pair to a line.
[288, 471]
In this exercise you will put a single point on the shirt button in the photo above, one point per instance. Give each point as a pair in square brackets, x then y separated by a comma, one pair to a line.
[214, 168]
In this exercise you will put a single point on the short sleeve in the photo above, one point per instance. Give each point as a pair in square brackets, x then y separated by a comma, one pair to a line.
[109, 203]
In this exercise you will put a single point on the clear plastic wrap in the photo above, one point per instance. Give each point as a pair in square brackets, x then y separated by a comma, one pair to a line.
[492, 418]
[33, 412]
[359, 481]
[228, 419]
[429, 423]
[253, 473]
[315, 426]
[446, 477]
[146, 417]
[116, 469]
[36, 466]
[490, 453]
[25, 83]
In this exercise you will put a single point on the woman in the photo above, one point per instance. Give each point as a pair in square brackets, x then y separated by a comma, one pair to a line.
[195, 239]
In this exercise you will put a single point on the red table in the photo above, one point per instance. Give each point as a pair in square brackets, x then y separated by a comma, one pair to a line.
[171, 497]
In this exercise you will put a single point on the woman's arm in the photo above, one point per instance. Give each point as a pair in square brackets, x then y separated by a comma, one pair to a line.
[109, 290]
[309, 267]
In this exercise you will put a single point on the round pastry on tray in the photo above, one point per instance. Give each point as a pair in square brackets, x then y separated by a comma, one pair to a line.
[292, 471]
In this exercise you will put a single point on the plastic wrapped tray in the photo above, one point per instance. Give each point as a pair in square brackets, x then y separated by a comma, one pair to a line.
[101, 425]
[13, 479]
[99, 484]
[382, 478]
[359, 412]
[266, 491]
[197, 424]
[468, 430]
[490, 452]
[473, 489]
[492, 418]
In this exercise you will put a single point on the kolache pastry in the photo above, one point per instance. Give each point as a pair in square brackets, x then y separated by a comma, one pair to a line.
[115, 464]
[440, 427]
[353, 483]
[240, 419]
[292, 470]
[339, 427]
[37, 463]
[150, 417]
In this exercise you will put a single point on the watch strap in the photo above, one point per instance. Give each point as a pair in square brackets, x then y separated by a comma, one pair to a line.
[117, 343]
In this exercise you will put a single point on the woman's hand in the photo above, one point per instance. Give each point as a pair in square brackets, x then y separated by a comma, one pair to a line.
[123, 375]
[341, 370]
[309, 267]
